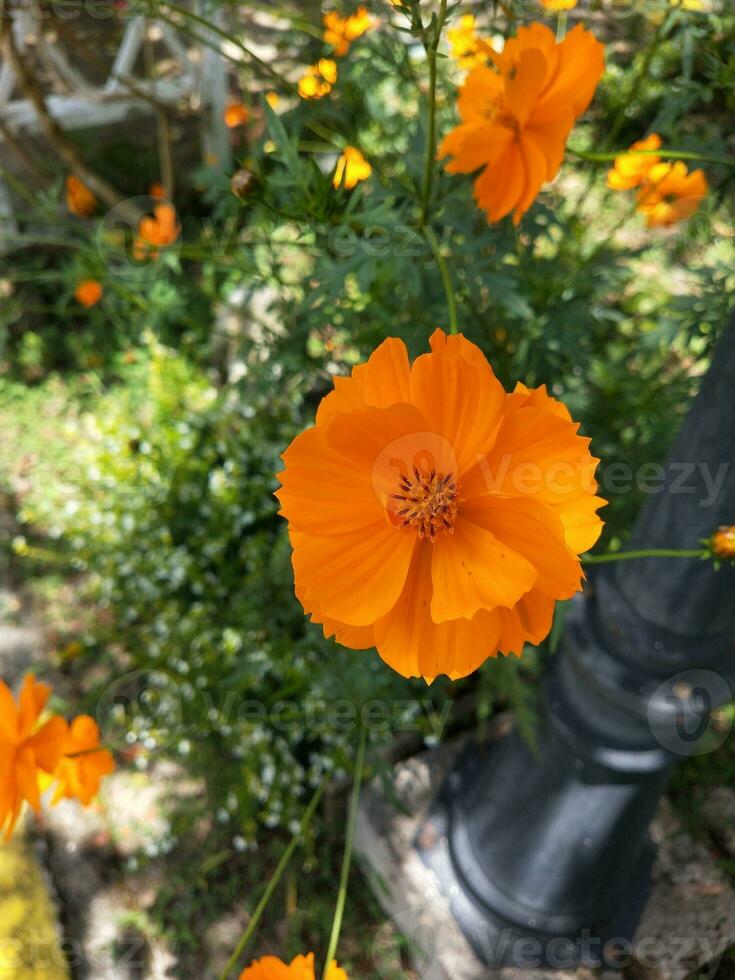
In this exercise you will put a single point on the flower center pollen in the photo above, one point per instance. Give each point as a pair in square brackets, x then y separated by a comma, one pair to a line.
[427, 501]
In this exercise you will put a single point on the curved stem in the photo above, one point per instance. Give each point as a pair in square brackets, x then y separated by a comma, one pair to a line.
[347, 857]
[273, 883]
[645, 553]
[446, 277]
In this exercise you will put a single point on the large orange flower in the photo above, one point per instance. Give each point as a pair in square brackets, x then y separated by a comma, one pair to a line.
[83, 763]
[27, 749]
[670, 193]
[517, 115]
[433, 516]
[300, 968]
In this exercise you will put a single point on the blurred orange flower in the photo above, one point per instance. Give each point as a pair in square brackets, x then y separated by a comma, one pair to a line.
[352, 167]
[300, 968]
[158, 230]
[670, 193]
[723, 542]
[517, 115]
[27, 748]
[157, 190]
[88, 292]
[465, 47]
[236, 114]
[318, 79]
[631, 169]
[433, 516]
[83, 763]
[340, 32]
[79, 198]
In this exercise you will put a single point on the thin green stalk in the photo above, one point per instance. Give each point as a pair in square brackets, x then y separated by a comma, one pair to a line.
[645, 553]
[431, 48]
[561, 26]
[664, 152]
[273, 883]
[446, 278]
[347, 857]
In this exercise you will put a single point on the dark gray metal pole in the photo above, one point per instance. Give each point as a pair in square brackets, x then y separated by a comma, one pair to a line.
[554, 850]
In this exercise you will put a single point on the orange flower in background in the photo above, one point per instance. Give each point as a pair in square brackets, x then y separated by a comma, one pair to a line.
[433, 516]
[723, 542]
[300, 968]
[156, 231]
[517, 115]
[318, 79]
[558, 5]
[467, 49]
[340, 32]
[79, 198]
[352, 167]
[157, 190]
[631, 169]
[83, 764]
[670, 194]
[236, 114]
[88, 292]
[28, 748]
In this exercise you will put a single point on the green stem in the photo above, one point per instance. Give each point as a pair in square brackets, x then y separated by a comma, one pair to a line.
[645, 553]
[664, 152]
[347, 857]
[273, 883]
[446, 277]
[561, 26]
[431, 48]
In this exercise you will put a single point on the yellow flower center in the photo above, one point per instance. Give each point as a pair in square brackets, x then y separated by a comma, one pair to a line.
[427, 502]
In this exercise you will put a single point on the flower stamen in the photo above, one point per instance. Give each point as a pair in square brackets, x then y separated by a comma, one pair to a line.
[427, 502]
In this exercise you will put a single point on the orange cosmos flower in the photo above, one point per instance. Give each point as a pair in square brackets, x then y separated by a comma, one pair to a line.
[27, 749]
[352, 167]
[83, 763]
[300, 968]
[88, 292]
[236, 114]
[518, 114]
[670, 194]
[79, 198]
[631, 169]
[723, 542]
[340, 32]
[161, 229]
[318, 79]
[433, 516]
[465, 47]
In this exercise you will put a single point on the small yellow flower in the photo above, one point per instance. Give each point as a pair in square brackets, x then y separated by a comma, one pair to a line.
[318, 79]
[558, 5]
[352, 167]
[465, 47]
[631, 169]
[273, 99]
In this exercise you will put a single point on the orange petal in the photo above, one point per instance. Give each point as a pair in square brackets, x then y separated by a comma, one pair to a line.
[9, 722]
[382, 381]
[529, 621]
[461, 399]
[580, 67]
[472, 570]
[523, 88]
[47, 744]
[533, 530]
[321, 492]
[411, 643]
[582, 526]
[354, 577]
[499, 187]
